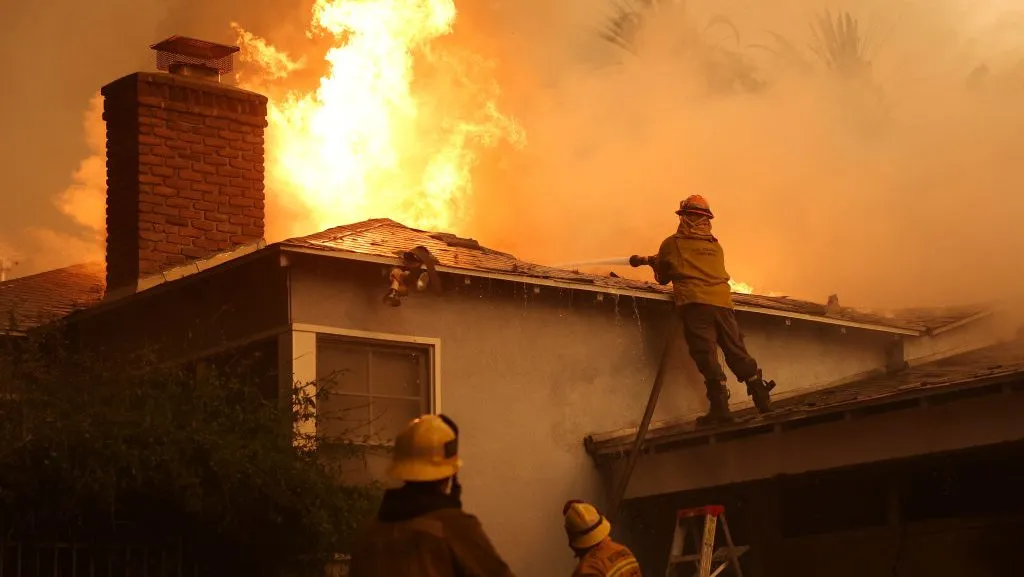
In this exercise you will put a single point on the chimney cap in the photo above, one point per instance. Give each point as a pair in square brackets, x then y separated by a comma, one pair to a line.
[192, 51]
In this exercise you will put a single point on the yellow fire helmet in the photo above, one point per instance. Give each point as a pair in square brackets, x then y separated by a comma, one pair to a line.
[584, 524]
[426, 450]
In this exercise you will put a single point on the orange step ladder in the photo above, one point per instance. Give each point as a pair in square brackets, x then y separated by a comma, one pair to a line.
[703, 521]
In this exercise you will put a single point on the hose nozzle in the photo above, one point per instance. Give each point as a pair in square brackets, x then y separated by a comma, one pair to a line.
[638, 261]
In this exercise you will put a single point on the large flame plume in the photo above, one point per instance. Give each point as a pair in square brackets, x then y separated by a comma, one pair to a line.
[374, 139]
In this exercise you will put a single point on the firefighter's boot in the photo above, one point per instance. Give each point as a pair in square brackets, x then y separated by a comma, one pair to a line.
[718, 413]
[760, 391]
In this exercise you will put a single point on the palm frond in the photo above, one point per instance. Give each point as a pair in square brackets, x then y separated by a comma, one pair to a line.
[625, 23]
[725, 70]
[723, 21]
[839, 43]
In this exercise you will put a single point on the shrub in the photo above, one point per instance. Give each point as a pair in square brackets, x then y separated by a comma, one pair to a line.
[95, 449]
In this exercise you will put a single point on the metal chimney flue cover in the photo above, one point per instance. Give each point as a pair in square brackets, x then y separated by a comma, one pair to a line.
[184, 55]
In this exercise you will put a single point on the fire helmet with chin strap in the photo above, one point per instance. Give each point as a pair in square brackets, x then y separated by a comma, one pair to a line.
[584, 524]
[695, 204]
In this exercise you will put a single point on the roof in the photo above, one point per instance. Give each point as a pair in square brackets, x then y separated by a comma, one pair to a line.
[935, 319]
[36, 299]
[386, 238]
[56, 293]
[987, 368]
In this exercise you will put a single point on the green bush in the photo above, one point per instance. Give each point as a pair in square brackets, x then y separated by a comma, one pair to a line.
[94, 449]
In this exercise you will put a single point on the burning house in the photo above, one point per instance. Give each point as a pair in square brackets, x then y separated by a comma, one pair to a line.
[545, 370]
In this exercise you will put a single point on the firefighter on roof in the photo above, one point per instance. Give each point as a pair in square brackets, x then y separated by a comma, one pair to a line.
[693, 261]
[421, 529]
[598, 555]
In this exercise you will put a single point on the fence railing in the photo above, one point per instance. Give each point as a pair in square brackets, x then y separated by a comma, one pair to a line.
[31, 559]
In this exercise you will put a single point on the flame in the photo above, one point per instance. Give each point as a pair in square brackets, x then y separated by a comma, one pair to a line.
[374, 139]
[741, 287]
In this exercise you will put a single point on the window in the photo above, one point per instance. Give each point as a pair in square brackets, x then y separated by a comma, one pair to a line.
[374, 389]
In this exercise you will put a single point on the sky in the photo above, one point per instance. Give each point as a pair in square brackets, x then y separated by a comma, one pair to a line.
[899, 189]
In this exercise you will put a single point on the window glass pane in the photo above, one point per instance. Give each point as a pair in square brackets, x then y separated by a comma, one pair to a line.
[359, 378]
[342, 367]
[371, 465]
[344, 416]
[391, 415]
[397, 373]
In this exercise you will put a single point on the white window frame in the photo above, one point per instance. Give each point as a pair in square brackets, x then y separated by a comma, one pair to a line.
[303, 357]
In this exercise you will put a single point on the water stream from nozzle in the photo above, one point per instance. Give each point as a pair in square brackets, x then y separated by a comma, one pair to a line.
[621, 260]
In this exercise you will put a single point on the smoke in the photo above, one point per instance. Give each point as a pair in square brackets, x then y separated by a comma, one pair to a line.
[891, 180]
[48, 88]
[83, 201]
[52, 214]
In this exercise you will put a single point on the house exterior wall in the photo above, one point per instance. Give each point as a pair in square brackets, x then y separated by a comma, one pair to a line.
[987, 330]
[802, 356]
[528, 375]
[222, 308]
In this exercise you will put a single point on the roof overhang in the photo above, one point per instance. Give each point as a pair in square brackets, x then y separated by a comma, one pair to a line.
[961, 322]
[657, 296]
[200, 269]
[615, 445]
[980, 417]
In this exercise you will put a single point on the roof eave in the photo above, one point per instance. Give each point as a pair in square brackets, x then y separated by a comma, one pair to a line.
[959, 323]
[615, 446]
[395, 261]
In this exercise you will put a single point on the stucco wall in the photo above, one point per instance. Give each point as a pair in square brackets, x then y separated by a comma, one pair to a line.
[988, 330]
[804, 356]
[528, 375]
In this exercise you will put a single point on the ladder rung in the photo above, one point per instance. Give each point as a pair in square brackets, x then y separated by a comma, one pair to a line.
[719, 555]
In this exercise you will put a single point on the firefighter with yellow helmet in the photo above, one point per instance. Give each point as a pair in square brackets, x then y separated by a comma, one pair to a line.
[421, 529]
[588, 531]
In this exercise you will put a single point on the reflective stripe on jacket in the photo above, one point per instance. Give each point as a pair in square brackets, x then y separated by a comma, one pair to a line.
[607, 559]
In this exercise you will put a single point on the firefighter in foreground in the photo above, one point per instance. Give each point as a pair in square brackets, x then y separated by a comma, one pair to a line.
[693, 261]
[598, 555]
[421, 529]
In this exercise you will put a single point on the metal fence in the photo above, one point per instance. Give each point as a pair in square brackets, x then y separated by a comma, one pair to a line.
[29, 559]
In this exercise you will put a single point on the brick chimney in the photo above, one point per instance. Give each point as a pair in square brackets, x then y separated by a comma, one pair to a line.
[184, 163]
